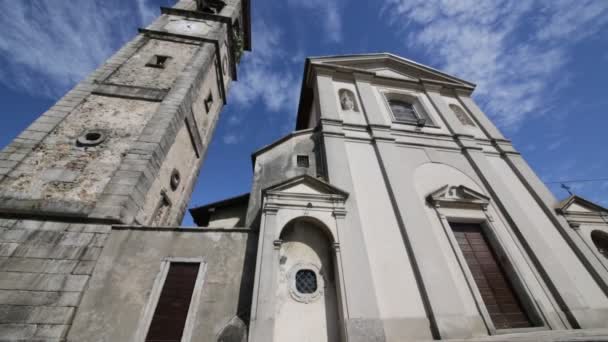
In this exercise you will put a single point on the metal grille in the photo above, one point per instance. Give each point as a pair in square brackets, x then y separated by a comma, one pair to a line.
[306, 281]
[497, 293]
[302, 161]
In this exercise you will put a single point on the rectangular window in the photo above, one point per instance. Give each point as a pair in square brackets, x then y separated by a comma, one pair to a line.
[158, 61]
[302, 161]
[500, 299]
[209, 102]
[171, 312]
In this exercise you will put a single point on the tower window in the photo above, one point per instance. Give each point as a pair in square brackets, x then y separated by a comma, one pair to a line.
[169, 319]
[306, 281]
[302, 161]
[209, 102]
[600, 240]
[158, 61]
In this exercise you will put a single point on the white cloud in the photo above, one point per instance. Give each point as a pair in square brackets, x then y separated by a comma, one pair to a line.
[516, 51]
[48, 46]
[231, 139]
[265, 76]
[329, 11]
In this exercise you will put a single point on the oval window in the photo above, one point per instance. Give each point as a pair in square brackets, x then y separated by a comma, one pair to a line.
[306, 281]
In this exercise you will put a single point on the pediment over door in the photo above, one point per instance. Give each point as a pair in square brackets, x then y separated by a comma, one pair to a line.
[458, 196]
[307, 186]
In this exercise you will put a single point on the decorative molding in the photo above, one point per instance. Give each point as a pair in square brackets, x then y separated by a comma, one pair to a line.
[305, 297]
[458, 196]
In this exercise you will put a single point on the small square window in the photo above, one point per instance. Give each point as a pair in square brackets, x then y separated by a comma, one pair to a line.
[158, 61]
[303, 161]
[209, 102]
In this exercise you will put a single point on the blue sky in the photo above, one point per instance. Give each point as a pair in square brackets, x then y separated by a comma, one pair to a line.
[540, 67]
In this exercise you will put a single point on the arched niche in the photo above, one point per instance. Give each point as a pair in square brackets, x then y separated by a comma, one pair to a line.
[347, 100]
[600, 240]
[306, 283]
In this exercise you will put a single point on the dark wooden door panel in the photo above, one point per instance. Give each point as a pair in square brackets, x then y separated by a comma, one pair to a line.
[497, 293]
[172, 309]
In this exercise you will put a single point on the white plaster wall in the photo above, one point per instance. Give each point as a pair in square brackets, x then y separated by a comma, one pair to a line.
[396, 289]
[298, 321]
[586, 288]
[427, 179]
[584, 231]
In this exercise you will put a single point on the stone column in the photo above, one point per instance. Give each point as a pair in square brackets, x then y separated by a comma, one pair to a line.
[264, 288]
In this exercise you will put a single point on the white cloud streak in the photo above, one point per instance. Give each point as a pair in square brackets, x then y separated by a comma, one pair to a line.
[516, 51]
[48, 46]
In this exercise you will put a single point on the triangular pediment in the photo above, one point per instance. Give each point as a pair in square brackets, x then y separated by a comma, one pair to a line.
[306, 185]
[388, 65]
[457, 195]
[578, 205]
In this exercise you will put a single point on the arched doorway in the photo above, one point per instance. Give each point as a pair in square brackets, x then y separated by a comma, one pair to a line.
[306, 305]
[600, 240]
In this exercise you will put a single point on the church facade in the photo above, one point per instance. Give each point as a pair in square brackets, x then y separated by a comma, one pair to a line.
[395, 211]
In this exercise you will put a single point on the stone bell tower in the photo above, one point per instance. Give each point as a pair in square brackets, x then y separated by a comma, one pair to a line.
[124, 146]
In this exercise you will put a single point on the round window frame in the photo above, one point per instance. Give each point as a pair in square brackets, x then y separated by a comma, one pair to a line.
[305, 297]
[84, 141]
[175, 179]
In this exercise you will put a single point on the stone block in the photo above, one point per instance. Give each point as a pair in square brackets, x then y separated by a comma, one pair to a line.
[29, 224]
[41, 127]
[42, 281]
[7, 223]
[42, 236]
[91, 253]
[84, 267]
[48, 251]
[60, 266]
[14, 331]
[99, 240]
[35, 314]
[7, 249]
[32, 135]
[97, 228]
[54, 226]
[13, 235]
[52, 331]
[76, 239]
[39, 298]
[59, 175]
[22, 265]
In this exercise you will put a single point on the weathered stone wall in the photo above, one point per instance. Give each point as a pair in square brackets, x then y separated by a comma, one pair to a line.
[115, 302]
[133, 72]
[44, 268]
[59, 169]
